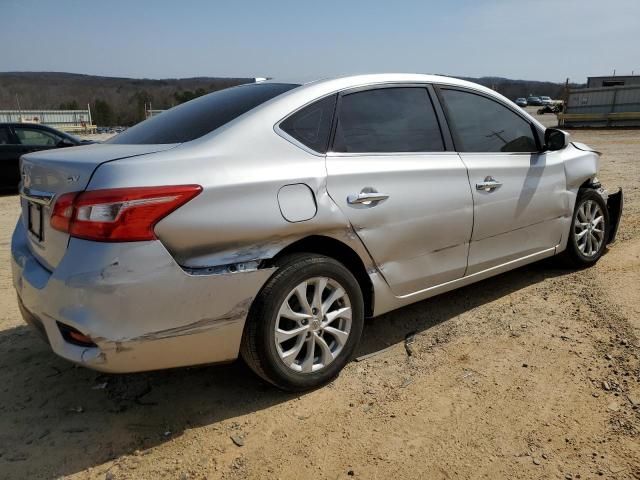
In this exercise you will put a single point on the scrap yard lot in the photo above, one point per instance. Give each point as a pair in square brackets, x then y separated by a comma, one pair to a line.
[533, 374]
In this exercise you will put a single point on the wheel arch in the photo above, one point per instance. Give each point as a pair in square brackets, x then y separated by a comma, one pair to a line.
[340, 251]
[591, 183]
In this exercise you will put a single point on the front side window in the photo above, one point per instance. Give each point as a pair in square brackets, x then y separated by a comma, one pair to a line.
[388, 120]
[36, 137]
[480, 124]
[203, 115]
[311, 125]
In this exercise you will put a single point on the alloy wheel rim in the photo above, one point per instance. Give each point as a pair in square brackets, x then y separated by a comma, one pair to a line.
[313, 325]
[588, 229]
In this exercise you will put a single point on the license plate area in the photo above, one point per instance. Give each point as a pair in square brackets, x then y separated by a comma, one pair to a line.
[34, 220]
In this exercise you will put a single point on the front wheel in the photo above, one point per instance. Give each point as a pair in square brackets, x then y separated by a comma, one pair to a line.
[589, 228]
[305, 324]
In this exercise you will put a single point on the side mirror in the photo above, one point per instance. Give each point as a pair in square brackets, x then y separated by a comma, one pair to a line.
[555, 139]
[65, 142]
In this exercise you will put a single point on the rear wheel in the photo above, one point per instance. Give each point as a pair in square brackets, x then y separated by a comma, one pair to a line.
[305, 324]
[589, 227]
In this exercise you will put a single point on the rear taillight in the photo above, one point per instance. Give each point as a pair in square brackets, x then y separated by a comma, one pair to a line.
[118, 214]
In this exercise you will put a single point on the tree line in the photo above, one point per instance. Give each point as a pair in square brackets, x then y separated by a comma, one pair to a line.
[113, 101]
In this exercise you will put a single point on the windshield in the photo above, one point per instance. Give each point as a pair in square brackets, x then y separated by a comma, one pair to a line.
[200, 116]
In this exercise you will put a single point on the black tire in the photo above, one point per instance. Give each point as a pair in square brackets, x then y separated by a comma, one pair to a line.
[573, 257]
[258, 348]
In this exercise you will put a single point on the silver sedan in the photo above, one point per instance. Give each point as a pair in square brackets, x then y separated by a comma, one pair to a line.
[268, 220]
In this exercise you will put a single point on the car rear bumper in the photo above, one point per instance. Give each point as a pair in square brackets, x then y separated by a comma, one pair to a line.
[141, 310]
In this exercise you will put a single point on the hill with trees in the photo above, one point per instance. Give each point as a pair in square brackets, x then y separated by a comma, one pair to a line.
[113, 100]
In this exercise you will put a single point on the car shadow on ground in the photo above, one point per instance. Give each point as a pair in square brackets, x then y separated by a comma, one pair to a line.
[76, 418]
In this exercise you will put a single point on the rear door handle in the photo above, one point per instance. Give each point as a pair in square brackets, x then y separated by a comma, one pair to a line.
[489, 184]
[366, 198]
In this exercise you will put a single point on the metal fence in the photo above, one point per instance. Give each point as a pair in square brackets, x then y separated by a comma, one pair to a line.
[602, 107]
[152, 113]
[68, 120]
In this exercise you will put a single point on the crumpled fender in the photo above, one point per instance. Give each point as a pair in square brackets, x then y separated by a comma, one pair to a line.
[580, 165]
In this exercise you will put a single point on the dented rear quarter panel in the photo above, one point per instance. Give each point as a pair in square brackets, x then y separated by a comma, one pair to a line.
[124, 296]
[237, 217]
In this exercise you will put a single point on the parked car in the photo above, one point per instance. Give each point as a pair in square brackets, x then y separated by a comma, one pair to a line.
[179, 242]
[521, 102]
[534, 101]
[551, 108]
[17, 139]
[546, 100]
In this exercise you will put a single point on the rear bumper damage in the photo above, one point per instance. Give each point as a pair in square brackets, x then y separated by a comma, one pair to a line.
[139, 308]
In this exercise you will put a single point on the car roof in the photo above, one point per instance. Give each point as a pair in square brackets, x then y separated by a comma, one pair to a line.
[346, 81]
[317, 88]
[308, 90]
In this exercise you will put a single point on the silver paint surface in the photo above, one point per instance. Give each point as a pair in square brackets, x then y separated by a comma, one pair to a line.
[183, 299]
[297, 202]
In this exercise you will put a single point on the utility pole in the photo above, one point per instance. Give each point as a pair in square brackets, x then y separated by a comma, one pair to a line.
[19, 109]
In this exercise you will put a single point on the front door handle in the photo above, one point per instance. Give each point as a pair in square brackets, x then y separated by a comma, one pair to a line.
[489, 184]
[366, 198]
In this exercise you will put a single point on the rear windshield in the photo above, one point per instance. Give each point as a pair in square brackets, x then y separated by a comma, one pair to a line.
[198, 117]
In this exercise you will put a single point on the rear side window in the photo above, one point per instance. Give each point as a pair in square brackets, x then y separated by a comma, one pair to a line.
[480, 124]
[36, 137]
[388, 120]
[311, 125]
[198, 117]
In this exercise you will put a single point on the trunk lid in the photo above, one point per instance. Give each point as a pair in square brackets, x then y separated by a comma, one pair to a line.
[48, 174]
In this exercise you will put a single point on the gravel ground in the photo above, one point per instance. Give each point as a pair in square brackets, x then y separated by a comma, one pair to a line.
[532, 374]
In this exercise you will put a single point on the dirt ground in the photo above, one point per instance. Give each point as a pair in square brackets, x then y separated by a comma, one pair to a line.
[533, 374]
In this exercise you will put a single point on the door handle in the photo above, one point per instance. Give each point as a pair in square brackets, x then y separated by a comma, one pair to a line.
[366, 198]
[489, 184]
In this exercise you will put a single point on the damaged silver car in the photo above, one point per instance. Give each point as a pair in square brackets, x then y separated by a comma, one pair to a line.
[268, 220]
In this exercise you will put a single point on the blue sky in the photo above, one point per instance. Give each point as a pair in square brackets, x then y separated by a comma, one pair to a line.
[536, 39]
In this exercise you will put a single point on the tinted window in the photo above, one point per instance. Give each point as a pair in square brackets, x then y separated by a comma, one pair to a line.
[311, 125]
[388, 120]
[5, 137]
[483, 125]
[36, 137]
[198, 117]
